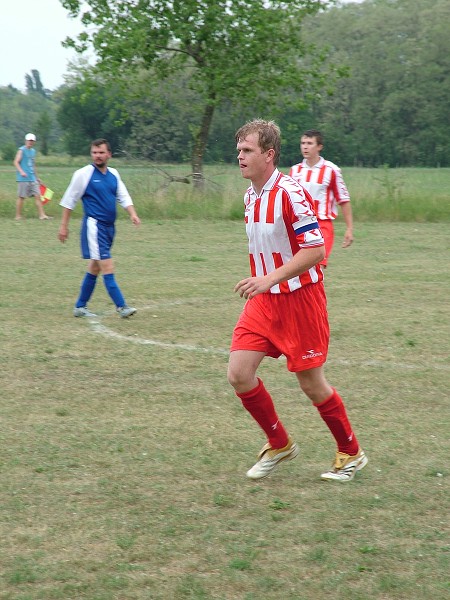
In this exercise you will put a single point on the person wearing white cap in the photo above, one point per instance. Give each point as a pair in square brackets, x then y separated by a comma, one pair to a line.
[26, 177]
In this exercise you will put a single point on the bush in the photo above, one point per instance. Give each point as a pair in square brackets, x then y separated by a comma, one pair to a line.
[9, 152]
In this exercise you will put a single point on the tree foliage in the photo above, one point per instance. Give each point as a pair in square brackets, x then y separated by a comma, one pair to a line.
[162, 115]
[393, 109]
[233, 50]
[21, 113]
[88, 110]
[33, 83]
[43, 130]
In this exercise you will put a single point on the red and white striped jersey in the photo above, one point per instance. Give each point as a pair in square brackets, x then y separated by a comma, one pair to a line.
[326, 185]
[279, 223]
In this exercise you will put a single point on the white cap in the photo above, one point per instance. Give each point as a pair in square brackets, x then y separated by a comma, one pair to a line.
[30, 136]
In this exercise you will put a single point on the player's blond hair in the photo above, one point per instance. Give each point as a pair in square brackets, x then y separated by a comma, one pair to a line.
[269, 136]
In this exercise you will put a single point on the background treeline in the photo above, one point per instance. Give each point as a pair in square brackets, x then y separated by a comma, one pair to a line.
[390, 108]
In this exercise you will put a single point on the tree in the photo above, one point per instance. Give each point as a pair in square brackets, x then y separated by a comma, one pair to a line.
[161, 114]
[43, 129]
[21, 113]
[88, 110]
[33, 83]
[234, 50]
[393, 109]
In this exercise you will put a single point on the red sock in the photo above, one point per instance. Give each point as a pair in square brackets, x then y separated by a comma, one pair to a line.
[332, 411]
[259, 404]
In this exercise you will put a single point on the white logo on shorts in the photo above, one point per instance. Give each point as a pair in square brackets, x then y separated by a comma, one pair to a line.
[311, 354]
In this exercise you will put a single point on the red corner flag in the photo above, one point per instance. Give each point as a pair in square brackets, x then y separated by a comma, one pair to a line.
[46, 194]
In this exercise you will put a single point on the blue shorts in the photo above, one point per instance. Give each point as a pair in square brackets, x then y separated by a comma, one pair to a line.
[96, 239]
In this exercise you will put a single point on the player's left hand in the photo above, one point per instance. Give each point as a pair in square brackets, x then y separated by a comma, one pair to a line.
[63, 233]
[252, 286]
[348, 239]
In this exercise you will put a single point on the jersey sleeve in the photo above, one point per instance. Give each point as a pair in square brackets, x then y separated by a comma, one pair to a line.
[311, 238]
[340, 190]
[304, 222]
[77, 187]
[123, 197]
[294, 170]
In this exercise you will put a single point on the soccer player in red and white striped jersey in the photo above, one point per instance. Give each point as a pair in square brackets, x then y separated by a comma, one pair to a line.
[323, 180]
[285, 312]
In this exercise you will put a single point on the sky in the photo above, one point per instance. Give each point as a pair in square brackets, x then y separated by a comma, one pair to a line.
[31, 33]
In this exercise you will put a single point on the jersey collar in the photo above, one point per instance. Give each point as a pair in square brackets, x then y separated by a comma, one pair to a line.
[318, 164]
[270, 183]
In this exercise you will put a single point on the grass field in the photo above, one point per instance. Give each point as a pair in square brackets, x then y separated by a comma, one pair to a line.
[124, 449]
[406, 195]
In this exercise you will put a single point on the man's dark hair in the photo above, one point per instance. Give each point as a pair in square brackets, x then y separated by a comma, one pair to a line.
[100, 142]
[314, 133]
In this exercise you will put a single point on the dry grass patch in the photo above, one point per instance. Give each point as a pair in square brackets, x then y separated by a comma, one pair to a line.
[125, 450]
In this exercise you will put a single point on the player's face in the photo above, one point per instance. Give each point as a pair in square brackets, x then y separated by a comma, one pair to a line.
[100, 155]
[309, 147]
[252, 160]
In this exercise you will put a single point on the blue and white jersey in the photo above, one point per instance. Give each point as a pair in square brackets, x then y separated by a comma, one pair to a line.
[99, 192]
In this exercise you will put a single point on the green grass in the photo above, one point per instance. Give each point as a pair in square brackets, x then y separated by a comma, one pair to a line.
[407, 195]
[124, 449]
[420, 195]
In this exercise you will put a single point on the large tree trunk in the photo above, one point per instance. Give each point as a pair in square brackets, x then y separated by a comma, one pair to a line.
[201, 139]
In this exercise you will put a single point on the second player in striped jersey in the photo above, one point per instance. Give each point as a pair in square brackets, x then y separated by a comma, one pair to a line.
[323, 180]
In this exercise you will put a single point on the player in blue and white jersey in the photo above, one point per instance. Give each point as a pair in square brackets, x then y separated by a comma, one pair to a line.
[100, 189]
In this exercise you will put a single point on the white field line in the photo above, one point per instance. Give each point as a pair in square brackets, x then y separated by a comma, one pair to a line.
[98, 327]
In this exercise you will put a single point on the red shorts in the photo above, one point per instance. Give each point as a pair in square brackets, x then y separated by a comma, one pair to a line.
[293, 324]
[327, 229]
